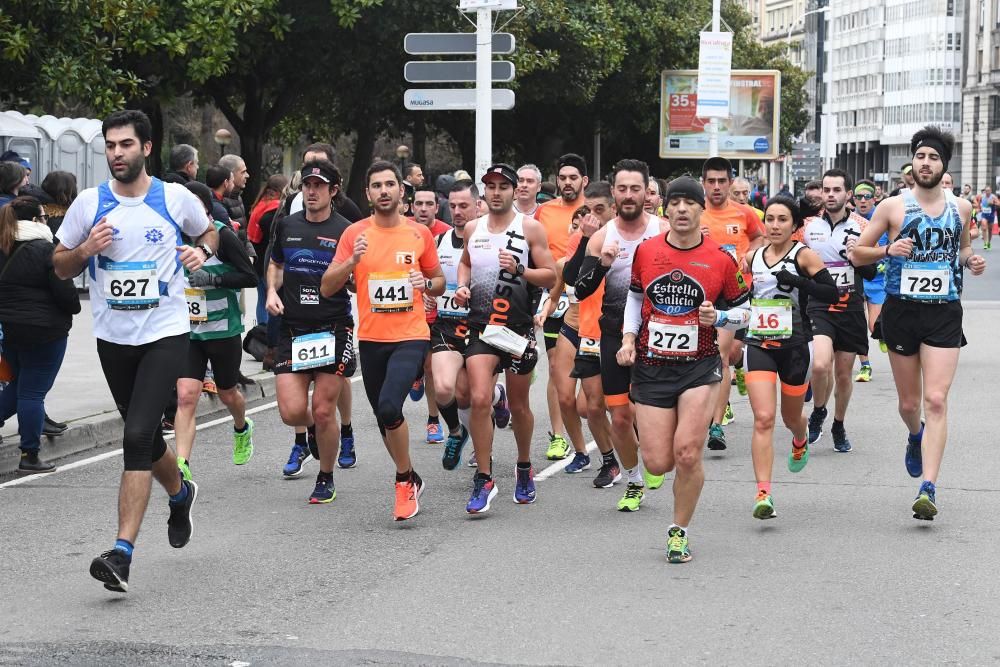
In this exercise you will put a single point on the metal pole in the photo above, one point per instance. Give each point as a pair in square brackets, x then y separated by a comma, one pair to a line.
[596, 174]
[484, 92]
[713, 126]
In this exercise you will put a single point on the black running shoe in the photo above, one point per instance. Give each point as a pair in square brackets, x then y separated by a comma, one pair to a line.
[608, 475]
[816, 420]
[111, 567]
[180, 528]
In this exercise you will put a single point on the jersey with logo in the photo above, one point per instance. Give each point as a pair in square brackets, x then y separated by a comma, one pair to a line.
[616, 281]
[777, 312]
[674, 283]
[932, 272]
[498, 296]
[732, 226]
[450, 247]
[556, 217]
[829, 241]
[305, 250]
[137, 283]
[389, 309]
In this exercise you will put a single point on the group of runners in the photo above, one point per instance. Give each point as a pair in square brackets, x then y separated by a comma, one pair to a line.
[647, 313]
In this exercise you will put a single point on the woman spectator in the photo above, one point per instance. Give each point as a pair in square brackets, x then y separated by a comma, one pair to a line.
[61, 187]
[12, 178]
[36, 312]
[259, 234]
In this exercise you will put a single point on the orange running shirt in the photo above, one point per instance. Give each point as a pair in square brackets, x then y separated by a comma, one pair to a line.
[730, 226]
[388, 310]
[590, 308]
[556, 217]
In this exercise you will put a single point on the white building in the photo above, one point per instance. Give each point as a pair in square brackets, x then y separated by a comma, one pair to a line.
[981, 98]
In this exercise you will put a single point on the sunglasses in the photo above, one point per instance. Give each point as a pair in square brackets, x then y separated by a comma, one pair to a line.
[865, 196]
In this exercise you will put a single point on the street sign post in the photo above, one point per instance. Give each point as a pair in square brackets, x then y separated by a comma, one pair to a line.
[453, 43]
[454, 99]
[454, 71]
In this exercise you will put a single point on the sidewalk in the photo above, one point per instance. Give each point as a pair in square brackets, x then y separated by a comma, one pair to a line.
[81, 396]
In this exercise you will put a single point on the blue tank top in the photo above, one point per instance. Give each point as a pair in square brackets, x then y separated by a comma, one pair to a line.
[931, 273]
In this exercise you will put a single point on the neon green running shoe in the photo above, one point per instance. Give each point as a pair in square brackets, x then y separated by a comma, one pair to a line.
[185, 469]
[243, 444]
[798, 458]
[728, 417]
[558, 448]
[865, 374]
[741, 381]
[882, 346]
[632, 499]
[677, 546]
[763, 508]
[653, 482]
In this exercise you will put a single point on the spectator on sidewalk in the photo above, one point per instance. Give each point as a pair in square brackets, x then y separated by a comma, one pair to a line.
[219, 179]
[232, 198]
[60, 186]
[13, 177]
[259, 235]
[36, 313]
[183, 164]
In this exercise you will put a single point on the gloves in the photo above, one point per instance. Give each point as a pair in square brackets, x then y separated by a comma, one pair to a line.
[202, 278]
[786, 277]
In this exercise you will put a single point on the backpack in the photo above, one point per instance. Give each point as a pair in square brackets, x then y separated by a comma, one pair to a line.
[255, 342]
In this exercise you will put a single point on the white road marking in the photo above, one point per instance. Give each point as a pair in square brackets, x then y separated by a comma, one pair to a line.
[559, 465]
[107, 455]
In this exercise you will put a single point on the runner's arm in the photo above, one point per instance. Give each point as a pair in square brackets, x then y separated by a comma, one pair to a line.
[233, 252]
[571, 267]
[275, 276]
[592, 272]
[867, 250]
[633, 313]
[544, 272]
[820, 285]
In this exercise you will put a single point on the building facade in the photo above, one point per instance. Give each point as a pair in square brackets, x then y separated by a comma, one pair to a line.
[981, 96]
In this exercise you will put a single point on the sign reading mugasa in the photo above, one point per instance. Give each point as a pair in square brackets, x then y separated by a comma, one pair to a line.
[749, 133]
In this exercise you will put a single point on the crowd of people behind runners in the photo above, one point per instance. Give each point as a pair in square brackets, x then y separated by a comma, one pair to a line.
[652, 297]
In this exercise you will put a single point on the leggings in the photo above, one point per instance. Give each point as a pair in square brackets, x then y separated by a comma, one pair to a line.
[388, 371]
[141, 379]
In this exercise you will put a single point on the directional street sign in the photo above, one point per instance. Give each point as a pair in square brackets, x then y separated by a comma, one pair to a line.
[454, 71]
[453, 43]
[454, 99]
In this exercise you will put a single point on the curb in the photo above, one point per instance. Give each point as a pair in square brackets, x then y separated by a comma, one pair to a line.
[104, 429]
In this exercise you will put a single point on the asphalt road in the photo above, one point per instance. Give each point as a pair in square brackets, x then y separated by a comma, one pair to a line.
[843, 575]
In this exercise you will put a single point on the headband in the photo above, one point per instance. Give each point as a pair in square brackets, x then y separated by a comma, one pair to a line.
[864, 187]
[937, 145]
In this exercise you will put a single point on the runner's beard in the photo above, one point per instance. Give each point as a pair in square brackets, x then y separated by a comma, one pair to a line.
[132, 171]
[932, 180]
[574, 197]
[637, 211]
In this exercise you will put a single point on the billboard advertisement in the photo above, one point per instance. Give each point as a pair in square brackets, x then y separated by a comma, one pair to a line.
[749, 133]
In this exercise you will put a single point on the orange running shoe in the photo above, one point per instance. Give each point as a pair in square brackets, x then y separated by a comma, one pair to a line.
[408, 498]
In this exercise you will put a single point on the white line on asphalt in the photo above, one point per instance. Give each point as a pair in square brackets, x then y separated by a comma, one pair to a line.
[107, 455]
[559, 465]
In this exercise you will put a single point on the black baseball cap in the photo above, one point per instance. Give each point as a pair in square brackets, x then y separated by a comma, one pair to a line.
[504, 171]
[321, 171]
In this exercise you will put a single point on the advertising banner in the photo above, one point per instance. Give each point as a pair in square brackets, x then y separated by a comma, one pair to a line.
[715, 59]
[749, 133]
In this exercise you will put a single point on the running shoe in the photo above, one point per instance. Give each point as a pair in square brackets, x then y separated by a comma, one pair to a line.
[809, 392]
[632, 499]
[208, 386]
[324, 491]
[925, 507]
[653, 482]
[408, 498]
[798, 458]
[840, 442]
[728, 417]
[741, 381]
[914, 455]
[435, 433]
[558, 448]
[167, 426]
[243, 444]
[608, 475]
[524, 485]
[472, 463]
[865, 374]
[185, 468]
[297, 459]
[763, 507]
[816, 420]
[111, 568]
[677, 546]
[452, 454]
[501, 409]
[347, 458]
[716, 438]
[483, 492]
[882, 346]
[180, 527]
[417, 390]
[579, 463]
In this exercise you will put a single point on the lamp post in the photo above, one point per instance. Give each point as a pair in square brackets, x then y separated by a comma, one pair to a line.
[403, 153]
[223, 137]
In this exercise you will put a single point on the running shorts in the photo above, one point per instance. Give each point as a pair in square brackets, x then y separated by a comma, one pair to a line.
[225, 355]
[346, 360]
[550, 331]
[906, 325]
[448, 336]
[848, 330]
[662, 386]
[791, 365]
[523, 366]
[615, 379]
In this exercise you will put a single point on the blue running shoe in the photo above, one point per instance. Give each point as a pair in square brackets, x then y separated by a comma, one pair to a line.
[435, 433]
[483, 493]
[299, 457]
[840, 442]
[501, 409]
[452, 455]
[524, 486]
[809, 392]
[925, 507]
[914, 456]
[348, 458]
[324, 491]
[417, 390]
[816, 420]
[579, 463]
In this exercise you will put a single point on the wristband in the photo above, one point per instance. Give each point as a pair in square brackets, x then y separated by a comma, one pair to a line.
[721, 317]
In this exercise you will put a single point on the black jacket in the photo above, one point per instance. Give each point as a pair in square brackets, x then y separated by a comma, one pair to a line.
[237, 211]
[176, 177]
[35, 305]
